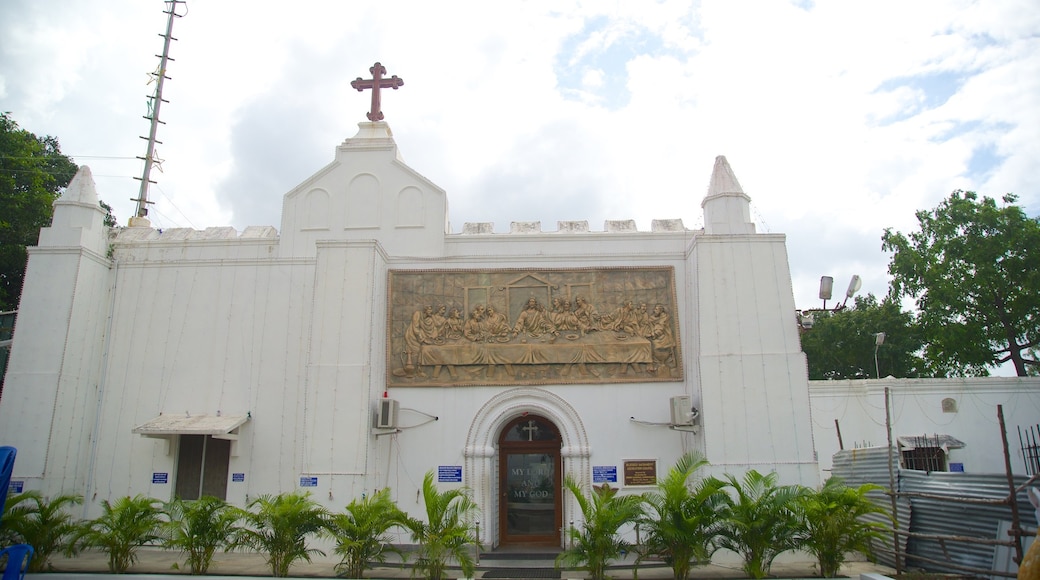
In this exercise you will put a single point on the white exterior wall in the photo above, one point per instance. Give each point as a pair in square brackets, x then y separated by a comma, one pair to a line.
[916, 410]
[290, 329]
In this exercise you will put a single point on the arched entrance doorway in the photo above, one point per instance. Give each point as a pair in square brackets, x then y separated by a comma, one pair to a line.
[530, 482]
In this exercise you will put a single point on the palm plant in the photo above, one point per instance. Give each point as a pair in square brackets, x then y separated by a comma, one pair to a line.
[760, 520]
[198, 528]
[122, 528]
[279, 526]
[361, 532]
[44, 525]
[446, 534]
[596, 542]
[681, 522]
[832, 524]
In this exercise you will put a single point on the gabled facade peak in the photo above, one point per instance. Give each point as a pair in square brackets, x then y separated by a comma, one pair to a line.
[81, 189]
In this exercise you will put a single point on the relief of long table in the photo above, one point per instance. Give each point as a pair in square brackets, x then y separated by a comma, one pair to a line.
[597, 347]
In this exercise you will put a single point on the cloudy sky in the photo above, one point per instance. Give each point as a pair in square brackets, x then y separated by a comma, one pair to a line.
[839, 117]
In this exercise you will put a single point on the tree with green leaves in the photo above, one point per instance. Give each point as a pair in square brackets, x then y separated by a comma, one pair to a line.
[29, 518]
[447, 533]
[759, 520]
[833, 523]
[972, 267]
[362, 532]
[681, 519]
[278, 527]
[597, 541]
[122, 528]
[199, 528]
[840, 345]
[33, 173]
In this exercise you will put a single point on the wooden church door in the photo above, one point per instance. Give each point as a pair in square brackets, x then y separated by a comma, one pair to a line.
[530, 483]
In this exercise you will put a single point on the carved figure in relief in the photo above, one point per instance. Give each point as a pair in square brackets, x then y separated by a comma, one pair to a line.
[496, 323]
[440, 321]
[454, 325]
[474, 327]
[623, 319]
[562, 317]
[533, 321]
[661, 337]
[588, 318]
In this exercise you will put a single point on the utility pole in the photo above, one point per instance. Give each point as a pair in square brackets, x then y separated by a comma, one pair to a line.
[155, 102]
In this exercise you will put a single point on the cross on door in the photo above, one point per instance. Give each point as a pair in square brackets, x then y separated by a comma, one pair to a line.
[375, 83]
[531, 429]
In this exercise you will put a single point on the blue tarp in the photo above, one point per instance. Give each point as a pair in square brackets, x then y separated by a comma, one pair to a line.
[6, 467]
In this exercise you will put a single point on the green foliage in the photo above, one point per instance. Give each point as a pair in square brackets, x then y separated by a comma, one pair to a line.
[759, 520]
[596, 542]
[680, 522]
[45, 525]
[199, 528]
[33, 173]
[446, 533]
[972, 268]
[122, 528]
[361, 532]
[279, 526]
[840, 345]
[832, 524]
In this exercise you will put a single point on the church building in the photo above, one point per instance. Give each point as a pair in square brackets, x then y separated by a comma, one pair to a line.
[364, 344]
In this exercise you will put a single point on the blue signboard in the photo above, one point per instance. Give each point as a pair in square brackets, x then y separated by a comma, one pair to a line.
[17, 486]
[604, 474]
[958, 467]
[238, 477]
[308, 482]
[161, 478]
[449, 474]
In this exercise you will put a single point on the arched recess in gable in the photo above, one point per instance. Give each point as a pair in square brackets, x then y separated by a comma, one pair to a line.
[363, 202]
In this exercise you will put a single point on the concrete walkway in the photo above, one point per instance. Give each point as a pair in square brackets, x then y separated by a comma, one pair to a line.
[152, 562]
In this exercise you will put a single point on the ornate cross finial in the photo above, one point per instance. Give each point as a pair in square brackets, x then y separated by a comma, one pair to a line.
[375, 83]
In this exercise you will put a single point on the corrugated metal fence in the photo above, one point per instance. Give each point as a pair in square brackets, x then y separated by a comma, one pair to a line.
[936, 504]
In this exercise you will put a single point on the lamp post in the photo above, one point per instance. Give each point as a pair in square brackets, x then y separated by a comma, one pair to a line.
[879, 339]
[805, 317]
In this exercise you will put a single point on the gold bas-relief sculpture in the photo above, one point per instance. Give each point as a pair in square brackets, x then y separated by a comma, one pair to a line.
[530, 327]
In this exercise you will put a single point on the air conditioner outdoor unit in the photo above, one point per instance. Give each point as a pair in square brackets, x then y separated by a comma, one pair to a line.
[682, 410]
[386, 416]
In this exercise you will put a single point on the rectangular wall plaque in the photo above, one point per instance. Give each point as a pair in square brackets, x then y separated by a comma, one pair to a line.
[449, 474]
[308, 482]
[531, 327]
[641, 472]
[160, 478]
[604, 474]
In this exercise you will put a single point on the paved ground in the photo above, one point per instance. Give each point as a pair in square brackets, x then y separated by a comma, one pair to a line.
[152, 562]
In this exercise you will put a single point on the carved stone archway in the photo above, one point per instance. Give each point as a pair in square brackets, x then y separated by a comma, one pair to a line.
[481, 451]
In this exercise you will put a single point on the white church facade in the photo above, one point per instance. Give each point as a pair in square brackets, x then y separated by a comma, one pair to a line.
[364, 344]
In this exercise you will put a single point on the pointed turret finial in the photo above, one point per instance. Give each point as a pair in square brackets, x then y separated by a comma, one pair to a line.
[727, 209]
[82, 188]
[723, 180]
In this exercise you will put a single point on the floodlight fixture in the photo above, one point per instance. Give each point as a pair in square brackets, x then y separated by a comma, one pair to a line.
[854, 285]
[826, 285]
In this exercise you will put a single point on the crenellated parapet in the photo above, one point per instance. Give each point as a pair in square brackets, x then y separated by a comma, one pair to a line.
[574, 227]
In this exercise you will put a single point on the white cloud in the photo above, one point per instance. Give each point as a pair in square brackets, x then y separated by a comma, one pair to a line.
[840, 118]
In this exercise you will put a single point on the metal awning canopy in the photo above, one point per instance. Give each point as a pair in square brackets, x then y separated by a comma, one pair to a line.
[219, 426]
[946, 442]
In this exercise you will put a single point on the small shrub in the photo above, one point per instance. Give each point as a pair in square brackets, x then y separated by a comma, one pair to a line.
[596, 542]
[361, 532]
[122, 528]
[44, 525]
[199, 528]
[446, 534]
[279, 526]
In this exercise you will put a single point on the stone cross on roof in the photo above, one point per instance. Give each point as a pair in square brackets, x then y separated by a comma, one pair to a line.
[375, 83]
